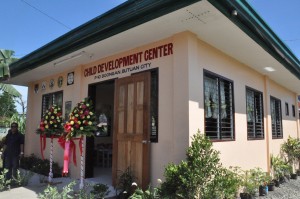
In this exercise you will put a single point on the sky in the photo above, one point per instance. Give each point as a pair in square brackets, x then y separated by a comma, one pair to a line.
[27, 25]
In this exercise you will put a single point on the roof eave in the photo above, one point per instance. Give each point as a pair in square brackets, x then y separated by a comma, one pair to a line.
[123, 17]
[255, 27]
[134, 12]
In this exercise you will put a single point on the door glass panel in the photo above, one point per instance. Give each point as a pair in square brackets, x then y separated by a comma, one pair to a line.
[140, 107]
[130, 108]
[121, 104]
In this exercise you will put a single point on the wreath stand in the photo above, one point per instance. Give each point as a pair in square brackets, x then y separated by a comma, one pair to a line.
[50, 177]
[81, 185]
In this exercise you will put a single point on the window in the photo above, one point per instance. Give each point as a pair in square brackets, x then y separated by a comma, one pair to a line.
[276, 118]
[219, 110]
[154, 106]
[287, 113]
[294, 111]
[255, 119]
[50, 99]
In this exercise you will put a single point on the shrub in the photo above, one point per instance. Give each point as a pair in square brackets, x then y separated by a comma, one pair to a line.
[40, 166]
[201, 175]
[4, 184]
[125, 180]
[53, 193]
[150, 193]
[100, 190]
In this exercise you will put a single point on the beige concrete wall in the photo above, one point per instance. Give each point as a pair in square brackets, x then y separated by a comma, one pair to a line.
[289, 126]
[240, 152]
[181, 111]
[32, 140]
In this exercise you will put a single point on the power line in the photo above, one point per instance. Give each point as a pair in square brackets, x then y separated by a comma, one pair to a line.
[52, 18]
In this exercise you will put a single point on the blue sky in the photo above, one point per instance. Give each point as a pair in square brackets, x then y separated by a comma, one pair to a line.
[27, 25]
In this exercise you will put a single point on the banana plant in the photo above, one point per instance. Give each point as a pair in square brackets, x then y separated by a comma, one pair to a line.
[6, 58]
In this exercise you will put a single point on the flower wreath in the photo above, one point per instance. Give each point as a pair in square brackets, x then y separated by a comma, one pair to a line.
[52, 122]
[81, 120]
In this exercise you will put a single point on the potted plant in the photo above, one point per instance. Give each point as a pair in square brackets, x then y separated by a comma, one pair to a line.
[291, 150]
[266, 179]
[251, 180]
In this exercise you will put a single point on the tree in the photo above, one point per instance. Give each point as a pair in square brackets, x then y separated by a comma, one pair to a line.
[7, 108]
[6, 58]
[10, 95]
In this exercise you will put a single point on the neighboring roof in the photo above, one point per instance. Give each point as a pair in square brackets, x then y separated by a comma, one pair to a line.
[136, 12]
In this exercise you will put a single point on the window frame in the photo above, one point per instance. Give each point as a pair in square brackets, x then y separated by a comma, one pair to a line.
[293, 110]
[256, 92]
[287, 112]
[276, 135]
[154, 95]
[44, 108]
[210, 74]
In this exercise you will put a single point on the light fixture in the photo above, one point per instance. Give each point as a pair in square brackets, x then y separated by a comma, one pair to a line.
[269, 69]
[234, 13]
[69, 58]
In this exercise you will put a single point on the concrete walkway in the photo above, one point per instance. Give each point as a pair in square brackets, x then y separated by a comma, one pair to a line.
[34, 188]
[288, 190]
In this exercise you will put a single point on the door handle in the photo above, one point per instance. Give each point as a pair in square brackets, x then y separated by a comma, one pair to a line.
[145, 141]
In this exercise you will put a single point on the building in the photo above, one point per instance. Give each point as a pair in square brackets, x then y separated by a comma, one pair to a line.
[158, 71]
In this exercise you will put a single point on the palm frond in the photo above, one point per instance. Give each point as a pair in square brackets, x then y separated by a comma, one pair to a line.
[10, 90]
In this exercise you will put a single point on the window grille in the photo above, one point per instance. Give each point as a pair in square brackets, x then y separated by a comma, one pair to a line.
[219, 109]
[255, 119]
[50, 99]
[154, 106]
[276, 118]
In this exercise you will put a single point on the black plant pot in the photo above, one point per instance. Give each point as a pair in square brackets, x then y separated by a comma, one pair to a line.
[276, 183]
[271, 186]
[298, 172]
[245, 196]
[262, 190]
[281, 180]
[294, 176]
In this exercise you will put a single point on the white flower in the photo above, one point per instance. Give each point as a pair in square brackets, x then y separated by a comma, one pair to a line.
[159, 181]
[134, 184]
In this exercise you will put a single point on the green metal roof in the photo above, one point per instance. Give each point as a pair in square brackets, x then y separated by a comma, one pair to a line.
[135, 12]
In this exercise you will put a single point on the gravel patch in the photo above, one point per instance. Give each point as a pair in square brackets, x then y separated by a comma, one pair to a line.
[287, 190]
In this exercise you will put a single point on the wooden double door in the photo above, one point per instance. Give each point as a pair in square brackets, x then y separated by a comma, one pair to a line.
[131, 145]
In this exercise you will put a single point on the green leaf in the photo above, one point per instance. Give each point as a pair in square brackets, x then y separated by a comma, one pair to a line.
[10, 90]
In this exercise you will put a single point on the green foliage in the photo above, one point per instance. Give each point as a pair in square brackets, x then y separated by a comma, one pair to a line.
[23, 178]
[252, 179]
[279, 167]
[227, 183]
[21, 120]
[125, 180]
[150, 193]
[6, 58]
[7, 108]
[40, 166]
[100, 190]
[84, 193]
[4, 184]
[291, 150]
[51, 192]
[201, 175]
